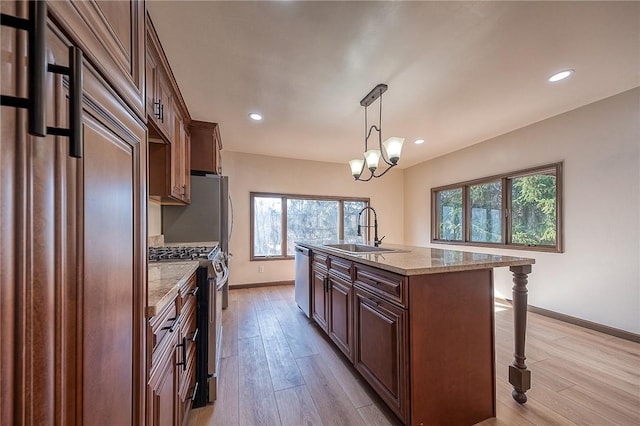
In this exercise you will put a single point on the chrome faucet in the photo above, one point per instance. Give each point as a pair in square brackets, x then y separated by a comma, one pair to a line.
[376, 241]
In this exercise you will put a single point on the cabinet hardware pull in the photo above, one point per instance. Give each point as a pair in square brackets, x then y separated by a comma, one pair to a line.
[74, 71]
[195, 335]
[170, 328]
[36, 26]
[35, 102]
[195, 391]
[194, 291]
[156, 107]
[161, 112]
[183, 363]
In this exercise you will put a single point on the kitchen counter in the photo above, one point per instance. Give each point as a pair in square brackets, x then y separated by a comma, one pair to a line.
[165, 279]
[411, 260]
[419, 264]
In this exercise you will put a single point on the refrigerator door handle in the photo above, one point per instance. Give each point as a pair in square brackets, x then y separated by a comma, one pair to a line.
[231, 224]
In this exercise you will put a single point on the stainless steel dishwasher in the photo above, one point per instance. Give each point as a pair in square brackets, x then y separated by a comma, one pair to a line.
[303, 277]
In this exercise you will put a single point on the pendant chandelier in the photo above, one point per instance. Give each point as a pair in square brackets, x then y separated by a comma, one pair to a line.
[392, 146]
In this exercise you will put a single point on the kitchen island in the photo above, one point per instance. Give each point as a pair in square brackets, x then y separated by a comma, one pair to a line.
[418, 324]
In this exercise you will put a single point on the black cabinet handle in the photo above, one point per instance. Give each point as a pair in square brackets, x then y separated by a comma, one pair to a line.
[75, 94]
[36, 26]
[74, 71]
[183, 363]
[170, 328]
[156, 106]
[37, 67]
[194, 291]
[161, 112]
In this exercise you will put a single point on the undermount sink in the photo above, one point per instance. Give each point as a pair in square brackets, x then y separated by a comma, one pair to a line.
[360, 248]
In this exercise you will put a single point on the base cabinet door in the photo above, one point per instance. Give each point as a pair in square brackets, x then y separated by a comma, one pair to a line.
[319, 304]
[340, 314]
[380, 349]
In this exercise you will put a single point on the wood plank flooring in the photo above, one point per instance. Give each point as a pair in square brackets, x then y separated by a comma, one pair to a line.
[278, 369]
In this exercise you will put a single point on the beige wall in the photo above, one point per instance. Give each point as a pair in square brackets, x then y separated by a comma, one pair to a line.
[597, 278]
[249, 172]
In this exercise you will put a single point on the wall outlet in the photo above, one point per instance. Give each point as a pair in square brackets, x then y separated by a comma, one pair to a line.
[260, 268]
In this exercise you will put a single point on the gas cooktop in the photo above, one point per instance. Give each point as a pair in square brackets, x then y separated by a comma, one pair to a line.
[180, 253]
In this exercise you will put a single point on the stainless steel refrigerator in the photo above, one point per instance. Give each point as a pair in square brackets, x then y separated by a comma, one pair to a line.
[209, 217]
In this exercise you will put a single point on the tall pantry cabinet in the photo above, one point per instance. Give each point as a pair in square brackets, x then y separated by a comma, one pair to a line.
[73, 230]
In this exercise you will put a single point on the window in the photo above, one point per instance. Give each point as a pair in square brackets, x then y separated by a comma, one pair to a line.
[514, 210]
[278, 221]
[450, 211]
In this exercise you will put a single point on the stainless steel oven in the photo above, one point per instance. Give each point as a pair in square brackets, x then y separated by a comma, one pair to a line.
[212, 281]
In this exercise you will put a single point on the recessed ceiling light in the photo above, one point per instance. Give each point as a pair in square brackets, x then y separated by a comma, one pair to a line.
[255, 116]
[560, 75]
[419, 141]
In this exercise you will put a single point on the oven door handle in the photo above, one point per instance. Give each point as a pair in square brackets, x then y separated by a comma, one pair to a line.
[224, 279]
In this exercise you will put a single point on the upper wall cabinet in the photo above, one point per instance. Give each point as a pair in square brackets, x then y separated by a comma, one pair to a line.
[167, 121]
[206, 145]
[111, 34]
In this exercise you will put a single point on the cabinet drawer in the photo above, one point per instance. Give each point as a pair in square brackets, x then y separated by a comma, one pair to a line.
[188, 326]
[188, 291]
[390, 286]
[187, 377]
[341, 267]
[163, 323]
[319, 260]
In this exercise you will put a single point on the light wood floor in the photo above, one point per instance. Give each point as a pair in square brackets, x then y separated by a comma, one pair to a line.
[278, 369]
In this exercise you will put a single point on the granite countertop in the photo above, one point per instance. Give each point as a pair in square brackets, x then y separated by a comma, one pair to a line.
[165, 280]
[411, 260]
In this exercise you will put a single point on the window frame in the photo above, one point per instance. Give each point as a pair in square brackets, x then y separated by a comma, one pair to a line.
[284, 197]
[506, 186]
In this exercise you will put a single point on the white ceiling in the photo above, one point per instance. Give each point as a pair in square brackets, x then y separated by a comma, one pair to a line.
[458, 72]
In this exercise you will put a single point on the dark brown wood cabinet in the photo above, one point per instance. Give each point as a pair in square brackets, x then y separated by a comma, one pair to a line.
[423, 342]
[168, 119]
[331, 306]
[319, 305]
[111, 35]
[206, 147]
[189, 338]
[159, 96]
[163, 339]
[172, 340]
[73, 237]
[340, 324]
[169, 174]
[380, 349]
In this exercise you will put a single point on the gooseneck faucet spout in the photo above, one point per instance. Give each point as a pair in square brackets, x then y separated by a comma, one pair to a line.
[376, 241]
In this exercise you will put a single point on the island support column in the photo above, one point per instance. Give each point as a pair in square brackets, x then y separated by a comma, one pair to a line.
[519, 376]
